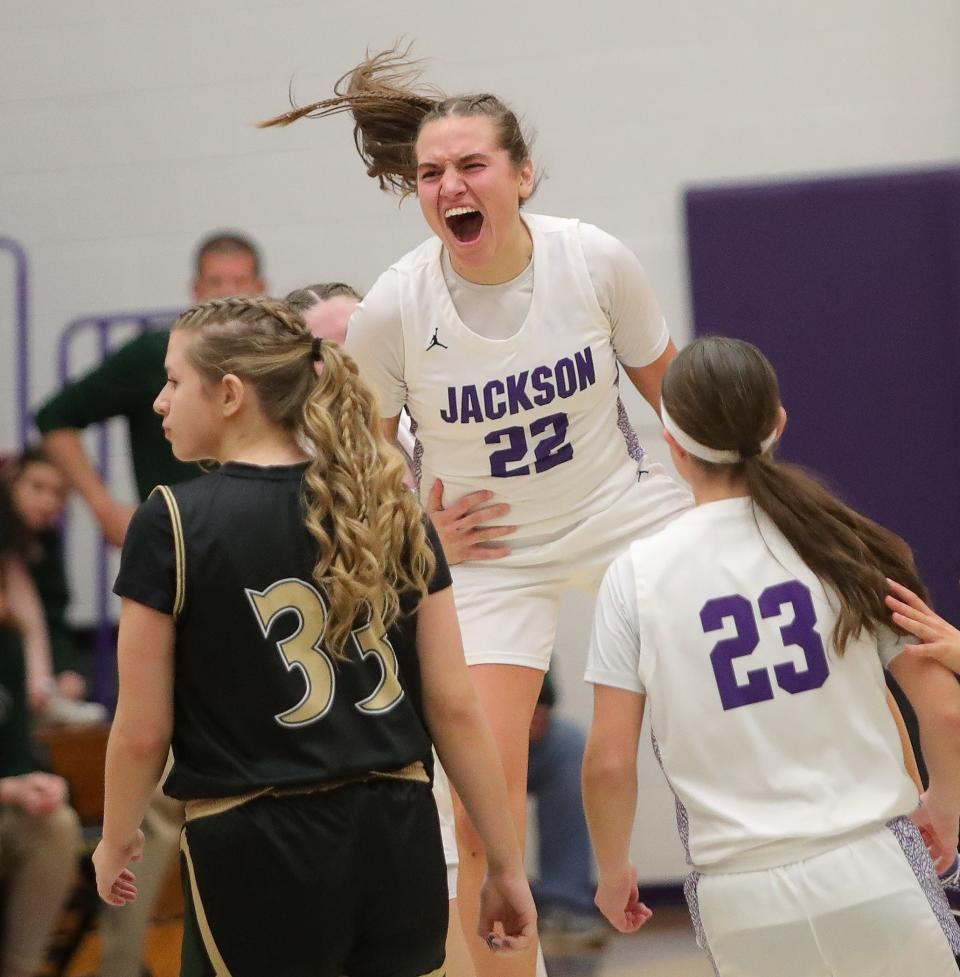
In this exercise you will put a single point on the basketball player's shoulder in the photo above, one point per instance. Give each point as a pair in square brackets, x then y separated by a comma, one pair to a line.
[419, 258]
[548, 226]
[206, 502]
[193, 490]
[675, 541]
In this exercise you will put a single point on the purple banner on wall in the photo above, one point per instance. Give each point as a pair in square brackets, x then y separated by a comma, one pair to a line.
[851, 286]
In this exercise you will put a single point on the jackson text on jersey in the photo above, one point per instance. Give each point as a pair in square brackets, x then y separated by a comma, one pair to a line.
[520, 391]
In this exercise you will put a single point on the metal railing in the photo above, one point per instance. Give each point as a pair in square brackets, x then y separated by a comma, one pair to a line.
[21, 316]
[105, 327]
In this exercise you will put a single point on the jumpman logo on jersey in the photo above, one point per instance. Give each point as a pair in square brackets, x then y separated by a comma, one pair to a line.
[435, 341]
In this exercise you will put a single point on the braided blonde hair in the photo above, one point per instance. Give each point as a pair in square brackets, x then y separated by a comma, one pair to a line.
[369, 528]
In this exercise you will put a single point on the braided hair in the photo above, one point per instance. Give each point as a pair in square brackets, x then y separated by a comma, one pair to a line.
[390, 108]
[369, 529]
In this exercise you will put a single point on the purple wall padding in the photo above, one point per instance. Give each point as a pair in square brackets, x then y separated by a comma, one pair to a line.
[851, 286]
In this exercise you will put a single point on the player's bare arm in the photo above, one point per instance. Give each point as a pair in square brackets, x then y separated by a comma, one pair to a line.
[935, 696]
[138, 744]
[468, 753]
[647, 379]
[909, 758]
[610, 800]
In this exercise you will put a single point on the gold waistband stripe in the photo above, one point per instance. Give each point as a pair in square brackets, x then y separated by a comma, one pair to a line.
[207, 807]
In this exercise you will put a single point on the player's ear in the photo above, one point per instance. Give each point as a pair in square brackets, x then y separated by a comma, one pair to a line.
[527, 181]
[232, 394]
[675, 448]
[781, 422]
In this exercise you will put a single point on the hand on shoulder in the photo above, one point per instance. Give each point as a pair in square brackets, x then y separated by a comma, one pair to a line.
[939, 639]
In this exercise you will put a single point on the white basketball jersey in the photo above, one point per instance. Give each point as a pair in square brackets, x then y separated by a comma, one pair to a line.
[535, 418]
[774, 746]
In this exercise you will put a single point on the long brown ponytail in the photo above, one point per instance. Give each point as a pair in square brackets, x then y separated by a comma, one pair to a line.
[389, 108]
[724, 393]
[371, 540]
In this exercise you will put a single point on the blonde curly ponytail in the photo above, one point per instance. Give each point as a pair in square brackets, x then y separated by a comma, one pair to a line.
[371, 540]
[373, 544]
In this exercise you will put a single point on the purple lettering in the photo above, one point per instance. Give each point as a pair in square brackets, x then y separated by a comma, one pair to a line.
[450, 416]
[566, 378]
[493, 410]
[586, 374]
[470, 405]
[516, 393]
[540, 380]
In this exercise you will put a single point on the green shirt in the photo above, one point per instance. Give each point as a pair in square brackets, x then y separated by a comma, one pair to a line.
[125, 384]
[16, 757]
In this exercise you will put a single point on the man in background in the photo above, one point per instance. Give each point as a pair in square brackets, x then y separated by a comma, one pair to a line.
[126, 383]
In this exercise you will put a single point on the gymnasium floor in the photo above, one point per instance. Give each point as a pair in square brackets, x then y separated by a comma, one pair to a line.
[663, 948]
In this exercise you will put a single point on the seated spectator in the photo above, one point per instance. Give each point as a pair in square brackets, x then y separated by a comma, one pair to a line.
[564, 891]
[39, 831]
[37, 496]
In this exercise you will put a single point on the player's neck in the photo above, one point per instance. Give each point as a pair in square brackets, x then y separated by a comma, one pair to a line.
[707, 489]
[508, 261]
[260, 444]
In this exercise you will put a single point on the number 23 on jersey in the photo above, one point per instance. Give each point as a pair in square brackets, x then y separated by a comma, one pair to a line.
[800, 632]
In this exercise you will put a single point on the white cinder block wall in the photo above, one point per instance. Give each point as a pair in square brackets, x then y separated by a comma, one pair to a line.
[125, 135]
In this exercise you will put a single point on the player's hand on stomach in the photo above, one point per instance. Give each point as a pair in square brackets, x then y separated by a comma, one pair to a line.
[461, 526]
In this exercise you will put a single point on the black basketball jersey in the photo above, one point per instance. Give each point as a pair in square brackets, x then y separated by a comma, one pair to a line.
[258, 701]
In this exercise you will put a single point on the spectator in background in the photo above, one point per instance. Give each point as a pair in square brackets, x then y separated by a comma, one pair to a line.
[39, 831]
[126, 384]
[37, 494]
[21, 604]
[564, 891]
[326, 308]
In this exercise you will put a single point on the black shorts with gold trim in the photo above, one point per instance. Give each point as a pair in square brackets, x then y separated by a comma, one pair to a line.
[350, 881]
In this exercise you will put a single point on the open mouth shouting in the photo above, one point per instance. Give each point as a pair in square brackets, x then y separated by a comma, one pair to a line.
[465, 223]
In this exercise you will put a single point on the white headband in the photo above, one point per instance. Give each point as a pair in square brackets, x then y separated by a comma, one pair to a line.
[720, 456]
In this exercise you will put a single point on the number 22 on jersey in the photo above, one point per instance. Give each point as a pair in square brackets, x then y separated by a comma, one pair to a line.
[303, 651]
[550, 450]
[801, 632]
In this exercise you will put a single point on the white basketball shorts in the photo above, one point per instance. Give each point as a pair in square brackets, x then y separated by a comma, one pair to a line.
[870, 908]
[508, 607]
[448, 830]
